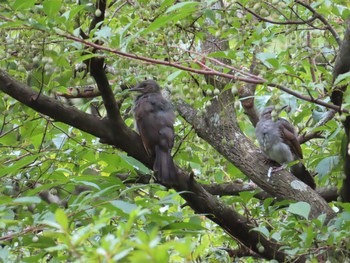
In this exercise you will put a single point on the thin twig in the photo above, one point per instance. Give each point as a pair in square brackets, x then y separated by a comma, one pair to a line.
[162, 62]
[310, 99]
[290, 22]
[322, 19]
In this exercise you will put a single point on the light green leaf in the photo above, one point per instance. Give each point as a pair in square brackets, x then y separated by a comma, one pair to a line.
[59, 140]
[70, 14]
[326, 165]
[124, 206]
[28, 200]
[52, 7]
[174, 75]
[301, 209]
[174, 17]
[85, 57]
[210, 14]
[104, 33]
[23, 4]
[61, 218]
[87, 183]
[263, 230]
[183, 5]
[15, 167]
[135, 163]
[342, 79]
[268, 59]
[122, 254]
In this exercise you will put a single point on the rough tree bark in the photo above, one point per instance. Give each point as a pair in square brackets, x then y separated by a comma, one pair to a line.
[116, 133]
[342, 65]
[218, 127]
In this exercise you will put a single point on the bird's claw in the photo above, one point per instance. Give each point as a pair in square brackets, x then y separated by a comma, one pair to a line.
[273, 170]
[269, 173]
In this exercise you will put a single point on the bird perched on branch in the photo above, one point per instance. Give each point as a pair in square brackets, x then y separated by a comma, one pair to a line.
[155, 119]
[278, 140]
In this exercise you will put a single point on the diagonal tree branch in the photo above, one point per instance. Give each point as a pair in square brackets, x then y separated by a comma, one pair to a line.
[51, 107]
[118, 135]
[124, 138]
[214, 128]
[111, 105]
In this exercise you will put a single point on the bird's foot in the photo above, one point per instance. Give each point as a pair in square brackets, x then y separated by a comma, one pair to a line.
[277, 169]
[274, 170]
[269, 173]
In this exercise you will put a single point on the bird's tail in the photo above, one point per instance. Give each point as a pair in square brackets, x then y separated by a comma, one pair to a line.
[299, 171]
[164, 167]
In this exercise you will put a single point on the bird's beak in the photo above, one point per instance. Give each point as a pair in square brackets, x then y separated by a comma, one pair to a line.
[136, 88]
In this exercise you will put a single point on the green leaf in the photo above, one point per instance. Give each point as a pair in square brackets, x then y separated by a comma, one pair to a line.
[135, 163]
[174, 75]
[174, 17]
[326, 165]
[27, 200]
[124, 206]
[301, 209]
[263, 230]
[122, 254]
[52, 7]
[23, 4]
[70, 14]
[166, 3]
[104, 33]
[184, 226]
[85, 57]
[342, 79]
[268, 59]
[15, 167]
[61, 218]
[210, 14]
[183, 5]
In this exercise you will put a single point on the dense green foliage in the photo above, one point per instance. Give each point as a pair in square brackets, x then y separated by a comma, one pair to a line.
[62, 199]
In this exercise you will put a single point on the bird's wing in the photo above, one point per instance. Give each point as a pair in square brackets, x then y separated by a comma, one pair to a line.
[288, 135]
[144, 122]
[155, 119]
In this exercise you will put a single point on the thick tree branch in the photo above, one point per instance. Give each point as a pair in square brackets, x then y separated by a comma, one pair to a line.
[228, 188]
[232, 222]
[100, 5]
[342, 65]
[122, 137]
[215, 128]
[98, 72]
[51, 107]
[105, 130]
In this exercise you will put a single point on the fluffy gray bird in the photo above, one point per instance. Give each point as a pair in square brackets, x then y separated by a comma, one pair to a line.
[155, 119]
[278, 140]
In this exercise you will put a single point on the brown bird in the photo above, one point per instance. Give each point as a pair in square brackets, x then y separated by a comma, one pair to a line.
[278, 140]
[155, 119]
